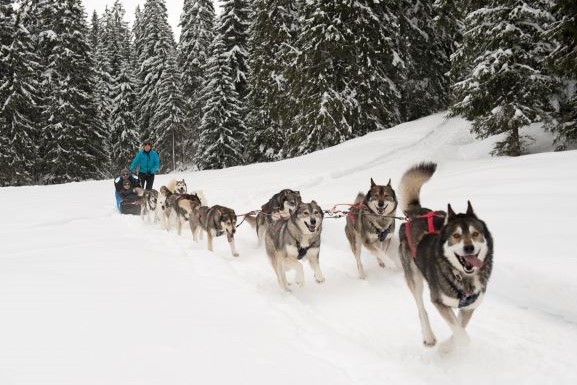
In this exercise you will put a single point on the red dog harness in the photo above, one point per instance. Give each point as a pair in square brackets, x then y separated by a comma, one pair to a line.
[430, 228]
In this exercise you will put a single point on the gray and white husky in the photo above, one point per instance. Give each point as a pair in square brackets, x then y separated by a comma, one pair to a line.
[452, 252]
[371, 223]
[290, 240]
[280, 205]
[149, 203]
[215, 221]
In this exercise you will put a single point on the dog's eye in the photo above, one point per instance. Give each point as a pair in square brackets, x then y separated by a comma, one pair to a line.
[456, 236]
[475, 234]
[306, 213]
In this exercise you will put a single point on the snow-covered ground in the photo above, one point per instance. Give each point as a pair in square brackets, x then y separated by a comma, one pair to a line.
[88, 296]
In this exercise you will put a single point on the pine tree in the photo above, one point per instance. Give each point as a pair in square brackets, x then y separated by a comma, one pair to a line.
[233, 26]
[564, 61]
[196, 35]
[155, 48]
[271, 37]
[426, 88]
[6, 35]
[168, 121]
[343, 76]
[124, 136]
[19, 96]
[120, 91]
[73, 141]
[222, 131]
[507, 86]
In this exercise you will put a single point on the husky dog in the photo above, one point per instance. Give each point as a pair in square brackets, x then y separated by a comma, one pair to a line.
[177, 186]
[290, 240]
[216, 221]
[371, 223]
[149, 203]
[452, 252]
[161, 206]
[279, 206]
[180, 209]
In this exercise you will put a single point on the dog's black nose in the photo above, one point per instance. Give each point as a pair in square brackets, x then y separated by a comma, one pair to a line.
[381, 203]
[313, 221]
[468, 249]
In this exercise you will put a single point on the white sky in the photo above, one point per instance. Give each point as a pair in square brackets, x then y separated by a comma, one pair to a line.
[173, 7]
[92, 297]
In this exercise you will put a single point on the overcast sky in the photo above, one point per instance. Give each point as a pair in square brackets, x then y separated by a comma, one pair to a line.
[174, 8]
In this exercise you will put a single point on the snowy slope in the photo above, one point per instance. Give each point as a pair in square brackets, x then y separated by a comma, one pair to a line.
[88, 296]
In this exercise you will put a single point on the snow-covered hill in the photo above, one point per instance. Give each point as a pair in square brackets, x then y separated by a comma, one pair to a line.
[88, 296]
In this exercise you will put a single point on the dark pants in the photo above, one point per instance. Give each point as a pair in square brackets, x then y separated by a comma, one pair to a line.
[146, 180]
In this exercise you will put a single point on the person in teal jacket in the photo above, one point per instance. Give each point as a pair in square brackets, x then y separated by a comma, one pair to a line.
[147, 162]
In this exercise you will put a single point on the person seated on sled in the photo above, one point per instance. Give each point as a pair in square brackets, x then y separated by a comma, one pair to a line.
[130, 200]
[118, 182]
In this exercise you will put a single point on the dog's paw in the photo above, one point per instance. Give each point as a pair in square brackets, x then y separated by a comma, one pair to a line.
[447, 346]
[382, 264]
[320, 279]
[430, 342]
[235, 254]
[362, 275]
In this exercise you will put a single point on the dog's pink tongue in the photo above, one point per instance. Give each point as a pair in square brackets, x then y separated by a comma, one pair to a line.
[473, 260]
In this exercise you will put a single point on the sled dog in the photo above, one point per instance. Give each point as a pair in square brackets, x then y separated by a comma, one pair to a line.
[371, 223]
[180, 209]
[161, 207]
[287, 241]
[148, 205]
[215, 221]
[279, 206]
[452, 252]
[177, 186]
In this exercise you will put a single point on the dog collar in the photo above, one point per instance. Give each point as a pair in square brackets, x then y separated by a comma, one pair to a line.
[383, 234]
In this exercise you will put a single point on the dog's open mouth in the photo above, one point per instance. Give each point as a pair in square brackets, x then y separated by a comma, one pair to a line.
[382, 210]
[469, 262]
[312, 228]
[229, 236]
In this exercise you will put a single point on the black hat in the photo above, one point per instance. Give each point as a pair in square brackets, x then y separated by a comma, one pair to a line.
[146, 141]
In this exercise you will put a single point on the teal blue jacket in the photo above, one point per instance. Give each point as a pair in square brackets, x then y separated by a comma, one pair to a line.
[148, 162]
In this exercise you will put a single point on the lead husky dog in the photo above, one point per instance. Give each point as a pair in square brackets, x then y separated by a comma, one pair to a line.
[280, 205]
[216, 221]
[290, 240]
[148, 205]
[371, 223]
[456, 260]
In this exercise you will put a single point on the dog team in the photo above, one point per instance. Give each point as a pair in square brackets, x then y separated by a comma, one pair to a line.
[452, 252]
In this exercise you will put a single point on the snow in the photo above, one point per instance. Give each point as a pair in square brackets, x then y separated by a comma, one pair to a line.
[88, 296]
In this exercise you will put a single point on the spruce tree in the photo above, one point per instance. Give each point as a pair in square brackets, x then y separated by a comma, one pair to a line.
[168, 120]
[272, 35]
[342, 79]
[234, 27]
[124, 135]
[19, 97]
[73, 142]
[222, 131]
[426, 88]
[506, 86]
[155, 48]
[196, 35]
[564, 62]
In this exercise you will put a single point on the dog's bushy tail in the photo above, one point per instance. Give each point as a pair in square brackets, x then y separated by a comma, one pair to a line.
[410, 187]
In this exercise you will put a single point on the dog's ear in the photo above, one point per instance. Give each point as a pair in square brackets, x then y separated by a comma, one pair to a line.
[373, 184]
[450, 213]
[389, 184]
[470, 211]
